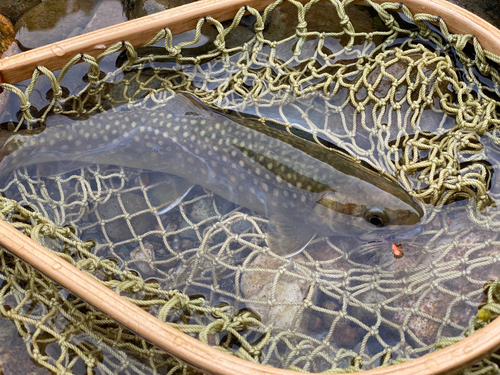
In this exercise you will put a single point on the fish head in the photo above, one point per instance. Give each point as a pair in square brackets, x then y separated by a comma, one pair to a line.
[371, 216]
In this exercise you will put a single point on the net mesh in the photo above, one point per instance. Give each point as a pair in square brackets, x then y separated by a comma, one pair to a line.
[397, 91]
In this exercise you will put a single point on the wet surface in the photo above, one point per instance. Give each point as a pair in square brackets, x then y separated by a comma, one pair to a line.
[169, 255]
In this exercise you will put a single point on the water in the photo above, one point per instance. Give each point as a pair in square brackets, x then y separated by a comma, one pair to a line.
[361, 298]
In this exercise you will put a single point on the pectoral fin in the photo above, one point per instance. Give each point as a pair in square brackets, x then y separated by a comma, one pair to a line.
[288, 238]
[166, 191]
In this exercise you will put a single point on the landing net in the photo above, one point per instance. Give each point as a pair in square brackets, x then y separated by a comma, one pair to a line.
[395, 90]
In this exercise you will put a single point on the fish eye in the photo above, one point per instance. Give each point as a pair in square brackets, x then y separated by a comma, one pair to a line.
[376, 216]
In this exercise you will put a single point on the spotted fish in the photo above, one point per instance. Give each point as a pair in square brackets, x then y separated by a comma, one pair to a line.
[302, 188]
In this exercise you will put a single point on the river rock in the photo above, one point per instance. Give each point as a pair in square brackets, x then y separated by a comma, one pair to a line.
[141, 8]
[55, 20]
[7, 34]
[278, 308]
[14, 9]
[6, 94]
[322, 17]
[141, 258]
[115, 224]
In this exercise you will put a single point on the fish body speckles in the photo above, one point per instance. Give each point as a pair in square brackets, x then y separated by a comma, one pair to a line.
[303, 188]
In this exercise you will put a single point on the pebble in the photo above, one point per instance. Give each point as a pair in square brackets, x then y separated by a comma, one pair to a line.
[344, 335]
[141, 256]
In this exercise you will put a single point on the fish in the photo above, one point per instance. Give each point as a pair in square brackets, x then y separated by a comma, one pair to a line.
[304, 189]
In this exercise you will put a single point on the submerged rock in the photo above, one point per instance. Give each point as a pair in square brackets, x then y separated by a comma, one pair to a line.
[14, 9]
[278, 296]
[141, 258]
[135, 210]
[141, 8]
[7, 34]
[56, 20]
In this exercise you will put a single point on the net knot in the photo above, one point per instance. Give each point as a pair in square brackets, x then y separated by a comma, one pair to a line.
[48, 230]
[25, 107]
[360, 108]
[259, 28]
[344, 21]
[302, 26]
[485, 69]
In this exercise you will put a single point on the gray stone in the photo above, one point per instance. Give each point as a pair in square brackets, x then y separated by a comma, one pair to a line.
[241, 227]
[14, 9]
[55, 20]
[277, 304]
[202, 210]
[118, 230]
[141, 8]
[187, 234]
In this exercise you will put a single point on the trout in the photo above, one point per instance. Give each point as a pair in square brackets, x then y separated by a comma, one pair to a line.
[304, 189]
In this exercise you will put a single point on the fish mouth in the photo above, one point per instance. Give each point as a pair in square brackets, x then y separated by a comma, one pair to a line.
[393, 233]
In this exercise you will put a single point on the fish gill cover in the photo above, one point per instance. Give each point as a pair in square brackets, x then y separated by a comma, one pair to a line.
[315, 194]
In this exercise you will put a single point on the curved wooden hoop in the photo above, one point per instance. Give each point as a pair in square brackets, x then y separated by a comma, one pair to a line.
[139, 31]
[209, 360]
[204, 357]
